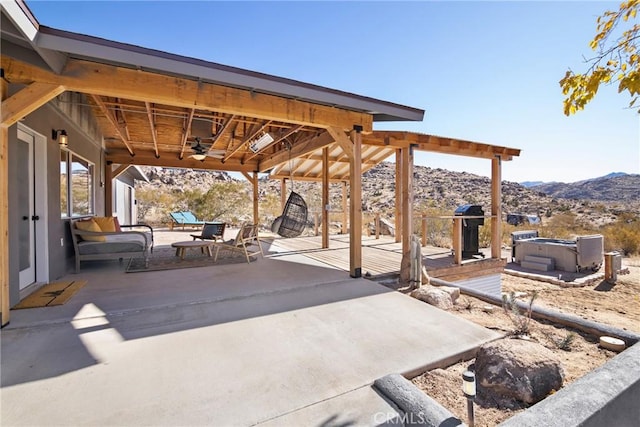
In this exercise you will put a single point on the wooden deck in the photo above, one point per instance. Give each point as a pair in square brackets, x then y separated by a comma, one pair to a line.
[382, 257]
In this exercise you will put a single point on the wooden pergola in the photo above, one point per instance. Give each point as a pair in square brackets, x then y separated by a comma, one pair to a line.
[152, 117]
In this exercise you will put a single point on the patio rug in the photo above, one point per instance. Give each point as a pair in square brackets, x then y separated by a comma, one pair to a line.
[56, 293]
[166, 259]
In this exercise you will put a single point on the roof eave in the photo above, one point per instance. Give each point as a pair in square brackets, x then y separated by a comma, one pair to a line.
[98, 49]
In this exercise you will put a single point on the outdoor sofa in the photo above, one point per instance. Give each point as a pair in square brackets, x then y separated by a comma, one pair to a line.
[102, 238]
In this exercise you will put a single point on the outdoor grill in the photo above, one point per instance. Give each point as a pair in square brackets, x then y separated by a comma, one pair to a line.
[470, 245]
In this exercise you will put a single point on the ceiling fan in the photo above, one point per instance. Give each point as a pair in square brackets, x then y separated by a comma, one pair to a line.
[202, 150]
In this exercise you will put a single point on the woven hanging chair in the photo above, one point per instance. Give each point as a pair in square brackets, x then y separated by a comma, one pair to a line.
[293, 219]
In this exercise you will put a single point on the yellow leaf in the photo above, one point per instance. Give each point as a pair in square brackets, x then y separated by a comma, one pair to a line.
[624, 67]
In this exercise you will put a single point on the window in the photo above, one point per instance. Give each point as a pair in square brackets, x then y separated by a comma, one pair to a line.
[76, 185]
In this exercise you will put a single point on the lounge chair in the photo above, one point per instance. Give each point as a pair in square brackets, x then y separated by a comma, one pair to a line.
[246, 238]
[211, 231]
[184, 219]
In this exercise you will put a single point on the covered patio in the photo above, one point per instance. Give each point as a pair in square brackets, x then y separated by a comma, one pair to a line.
[285, 340]
[122, 105]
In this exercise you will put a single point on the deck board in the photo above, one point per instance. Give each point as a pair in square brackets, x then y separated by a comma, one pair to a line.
[381, 257]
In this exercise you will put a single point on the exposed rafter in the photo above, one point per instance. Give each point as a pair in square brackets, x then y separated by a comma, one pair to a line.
[152, 126]
[255, 130]
[185, 132]
[110, 116]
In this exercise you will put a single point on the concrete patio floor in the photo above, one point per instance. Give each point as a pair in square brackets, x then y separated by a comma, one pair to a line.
[281, 341]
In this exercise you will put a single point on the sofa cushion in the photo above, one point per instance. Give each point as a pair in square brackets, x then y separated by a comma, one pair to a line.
[106, 223]
[95, 248]
[90, 225]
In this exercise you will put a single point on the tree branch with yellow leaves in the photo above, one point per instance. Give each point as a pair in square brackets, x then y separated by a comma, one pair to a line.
[617, 60]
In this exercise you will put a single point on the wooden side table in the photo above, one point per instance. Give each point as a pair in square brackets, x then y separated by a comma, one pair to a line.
[181, 247]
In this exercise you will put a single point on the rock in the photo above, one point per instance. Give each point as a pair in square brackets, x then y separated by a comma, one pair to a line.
[434, 296]
[524, 370]
[452, 291]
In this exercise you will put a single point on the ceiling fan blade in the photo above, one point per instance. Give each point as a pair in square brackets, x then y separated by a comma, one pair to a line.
[217, 154]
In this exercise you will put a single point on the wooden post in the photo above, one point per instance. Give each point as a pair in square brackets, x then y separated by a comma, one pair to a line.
[398, 233]
[283, 194]
[345, 211]
[407, 198]
[4, 211]
[256, 212]
[325, 197]
[253, 179]
[108, 189]
[612, 264]
[424, 230]
[355, 208]
[496, 207]
[457, 241]
[377, 225]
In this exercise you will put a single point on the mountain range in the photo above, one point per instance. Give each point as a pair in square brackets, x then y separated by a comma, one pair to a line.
[596, 201]
[616, 186]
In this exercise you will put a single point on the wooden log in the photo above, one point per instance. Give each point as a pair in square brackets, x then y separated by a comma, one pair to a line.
[4, 213]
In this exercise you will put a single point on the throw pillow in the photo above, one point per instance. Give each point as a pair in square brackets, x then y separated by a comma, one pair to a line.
[90, 225]
[106, 223]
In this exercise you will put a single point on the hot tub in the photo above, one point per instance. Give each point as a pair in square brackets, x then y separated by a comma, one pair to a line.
[583, 254]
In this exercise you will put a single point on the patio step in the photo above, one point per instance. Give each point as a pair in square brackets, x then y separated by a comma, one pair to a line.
[538, 263]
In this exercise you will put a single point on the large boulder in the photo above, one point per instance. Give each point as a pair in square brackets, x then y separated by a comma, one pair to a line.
[452, 291]
[434, 296]
[520, 369]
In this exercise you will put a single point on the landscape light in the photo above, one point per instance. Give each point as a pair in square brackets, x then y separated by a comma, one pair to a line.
[469, 384]
[469, 389]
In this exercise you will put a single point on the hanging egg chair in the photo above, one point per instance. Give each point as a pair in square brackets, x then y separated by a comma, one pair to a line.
[293, 219]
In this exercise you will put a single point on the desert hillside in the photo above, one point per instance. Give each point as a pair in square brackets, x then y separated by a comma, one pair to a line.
[595, 202]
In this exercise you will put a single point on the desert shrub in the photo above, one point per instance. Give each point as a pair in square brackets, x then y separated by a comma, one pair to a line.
[438, 229]
[154, 205]
[623, 235]
[520, 320]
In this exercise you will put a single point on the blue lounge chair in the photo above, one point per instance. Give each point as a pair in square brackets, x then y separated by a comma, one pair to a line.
[184, 219]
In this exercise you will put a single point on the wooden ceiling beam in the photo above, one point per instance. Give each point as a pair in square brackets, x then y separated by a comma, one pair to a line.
[100, 79]
[280, 138]
[302, 178]
[311, 167]
[122, 120]
[438, 144]
[149, 159]
[253, 131]
[343, 140]
[114, 122]
[152, 125]
[185, 132]
[297, 149]
[222, 131]
[27, 100]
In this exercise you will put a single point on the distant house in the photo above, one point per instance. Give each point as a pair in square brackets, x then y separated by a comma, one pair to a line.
[518, 219]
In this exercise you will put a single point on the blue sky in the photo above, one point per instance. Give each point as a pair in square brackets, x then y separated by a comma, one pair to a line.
[483, 71]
